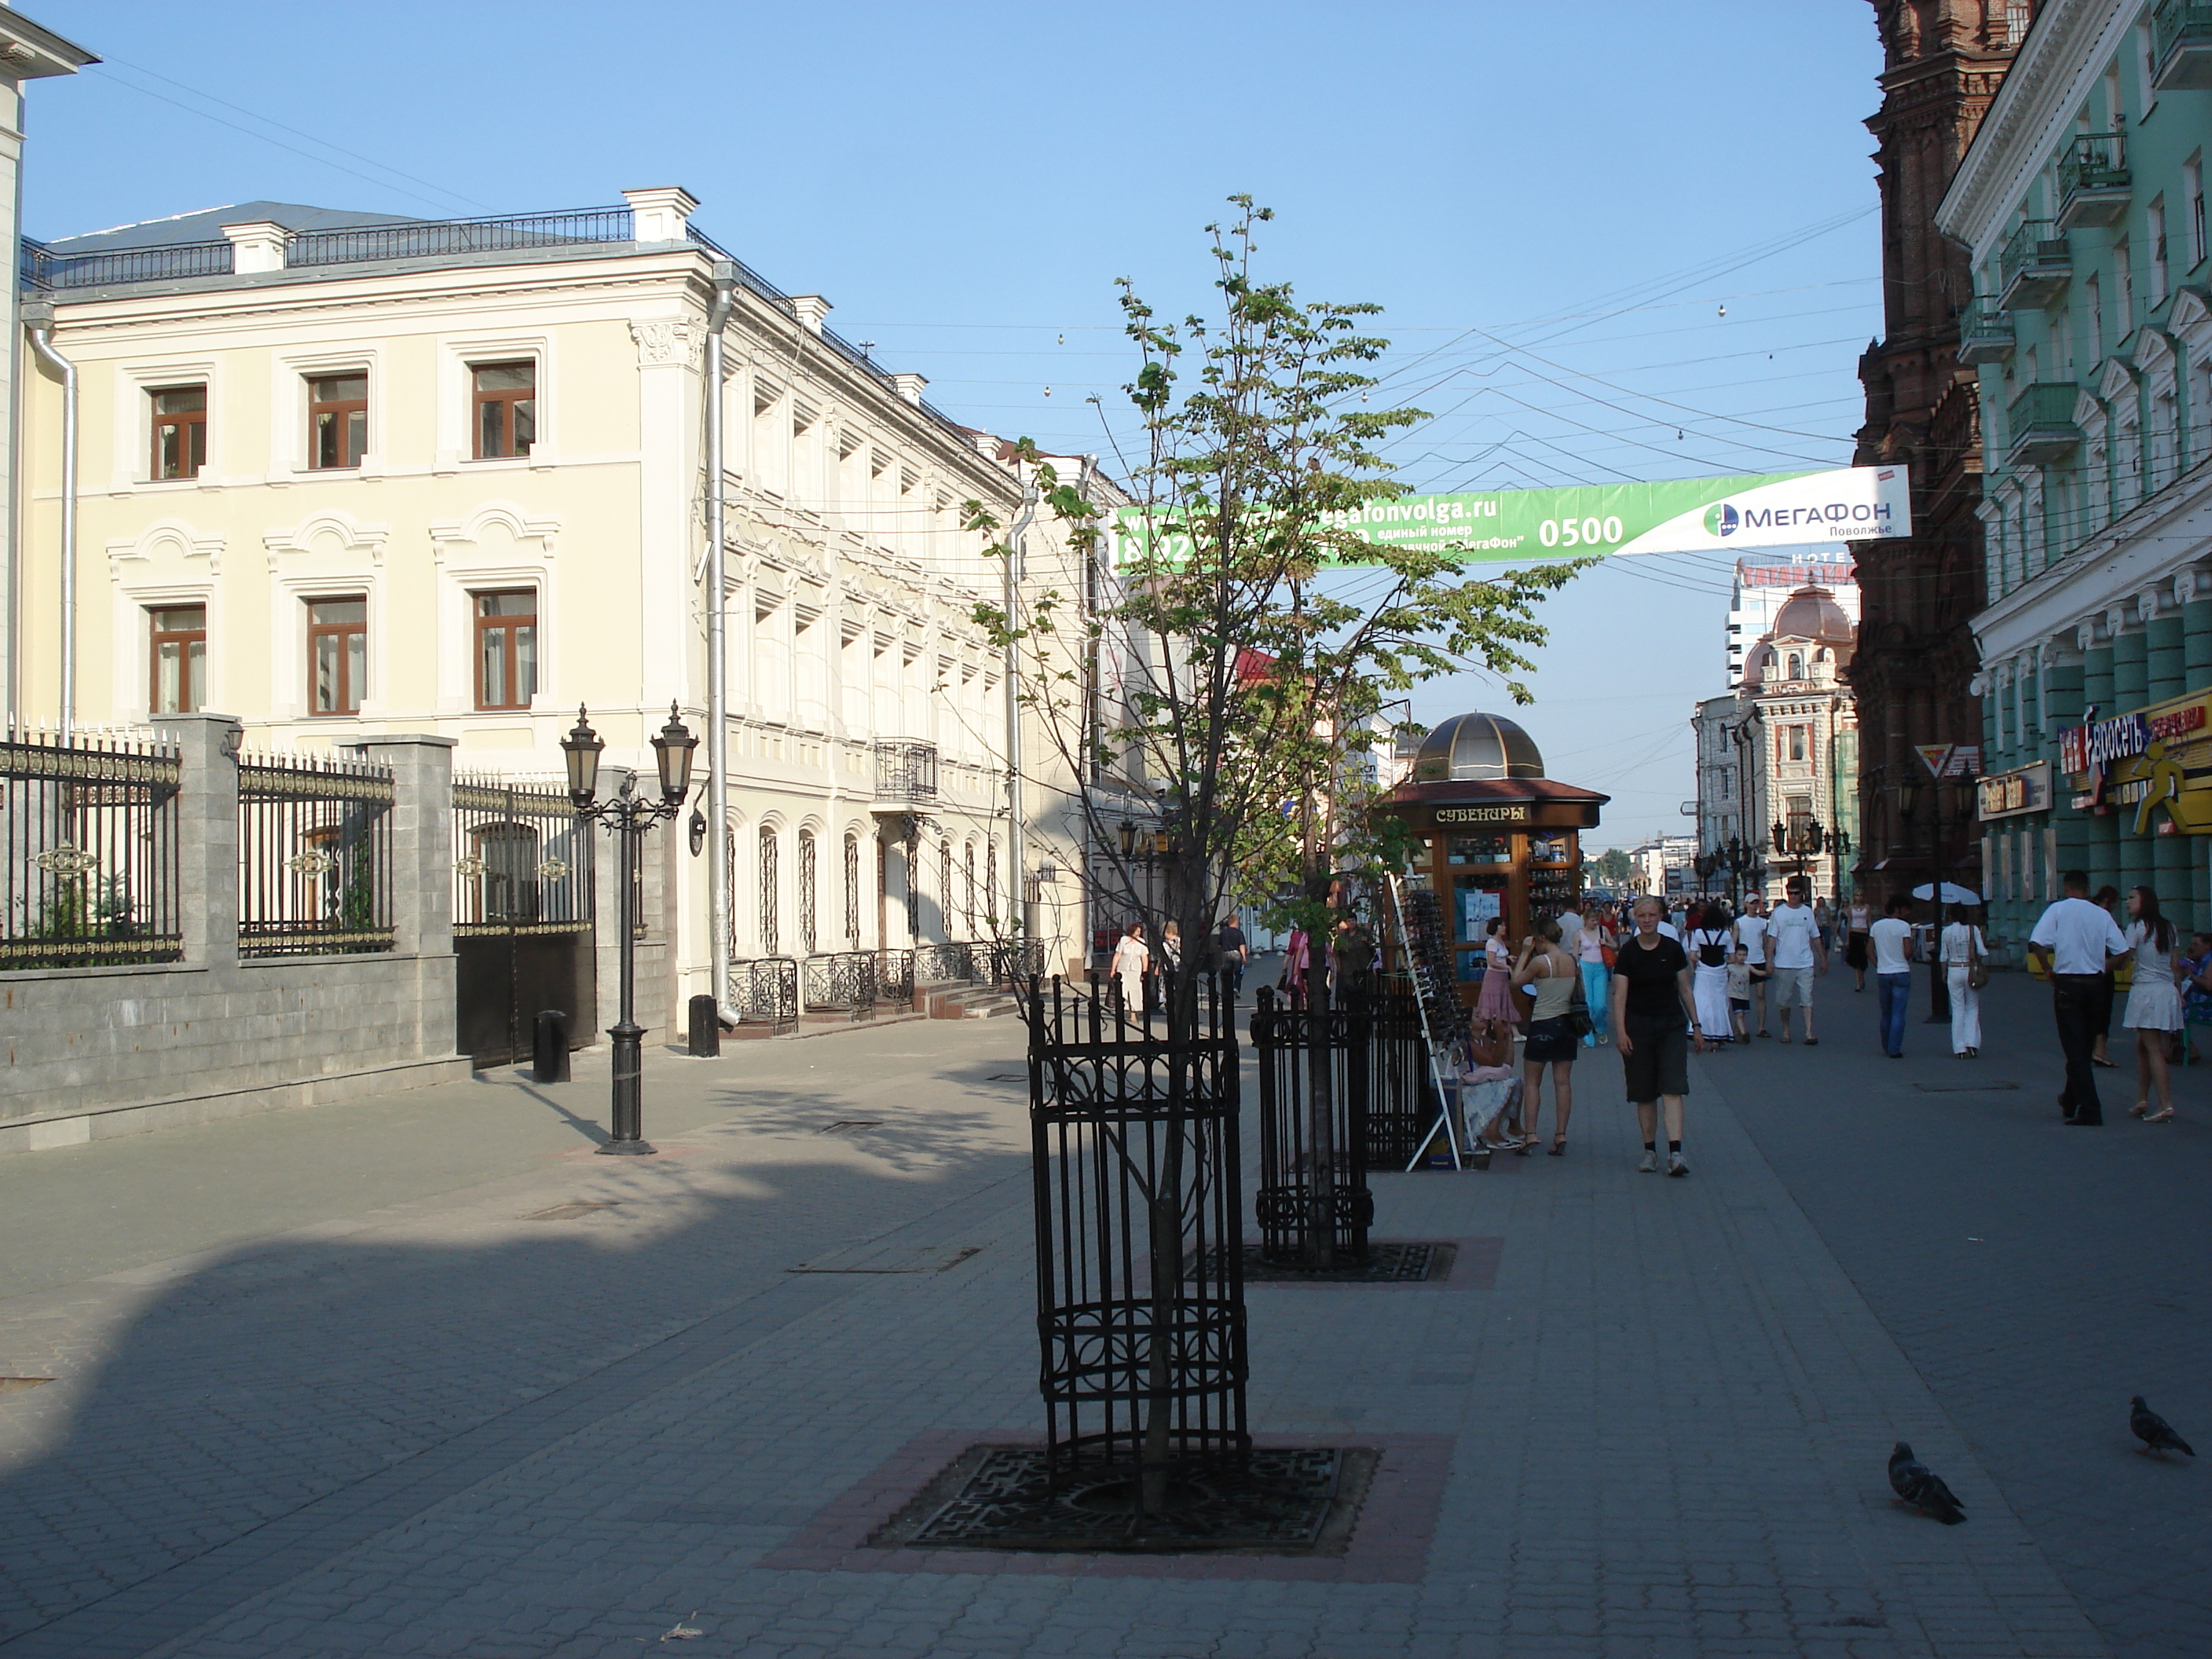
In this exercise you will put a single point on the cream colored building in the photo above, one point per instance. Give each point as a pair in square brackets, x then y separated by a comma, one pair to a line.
[344, 474]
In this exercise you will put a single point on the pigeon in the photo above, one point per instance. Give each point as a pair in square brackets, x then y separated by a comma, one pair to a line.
[1922, 1488]
[2154, 1431]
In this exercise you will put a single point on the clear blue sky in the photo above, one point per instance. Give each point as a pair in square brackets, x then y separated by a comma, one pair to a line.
[1589, 183]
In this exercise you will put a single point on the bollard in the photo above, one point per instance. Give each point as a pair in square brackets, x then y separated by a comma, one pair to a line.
[706, 1029]
[548, 1053]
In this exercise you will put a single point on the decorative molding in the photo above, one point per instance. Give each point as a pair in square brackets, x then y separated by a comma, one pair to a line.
[445, 533]
[173, 535]
[674, 341]
[2116, 380]
[2148, 603]
[351, 534]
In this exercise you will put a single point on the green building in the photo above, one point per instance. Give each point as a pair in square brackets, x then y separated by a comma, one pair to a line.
[2081, 200]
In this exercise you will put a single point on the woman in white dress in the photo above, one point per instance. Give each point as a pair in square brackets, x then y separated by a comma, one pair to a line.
[1962, 948]
[1133, 960]
[1708, 947]
[2153, 1010]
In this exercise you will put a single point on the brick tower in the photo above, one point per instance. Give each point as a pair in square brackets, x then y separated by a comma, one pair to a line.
[1942, 61]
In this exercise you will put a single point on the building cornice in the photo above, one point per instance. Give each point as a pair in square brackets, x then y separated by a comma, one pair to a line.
[2034, 109]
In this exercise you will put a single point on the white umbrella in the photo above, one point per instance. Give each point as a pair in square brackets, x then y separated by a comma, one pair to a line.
[1953, 893]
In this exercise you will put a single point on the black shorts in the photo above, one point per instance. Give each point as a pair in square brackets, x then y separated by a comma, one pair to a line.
[1659, 1060]
[1552, 1042]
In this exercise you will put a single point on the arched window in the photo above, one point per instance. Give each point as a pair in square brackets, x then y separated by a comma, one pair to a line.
[1796, 665]
[970, 855]
[944, 898]
[991, 882]
[730, 858]
[769, 930]
[852, 892]
[806, 892]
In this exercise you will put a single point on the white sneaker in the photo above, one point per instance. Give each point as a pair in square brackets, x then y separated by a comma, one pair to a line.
[1650, 1164]
[1675, 1166]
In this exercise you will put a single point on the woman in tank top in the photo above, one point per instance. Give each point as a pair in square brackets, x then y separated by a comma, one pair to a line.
[1551, 1040]
[1858, 920]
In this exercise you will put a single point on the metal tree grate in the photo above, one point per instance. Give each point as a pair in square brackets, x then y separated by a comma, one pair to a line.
[1403, 1263]
[1276, 1501]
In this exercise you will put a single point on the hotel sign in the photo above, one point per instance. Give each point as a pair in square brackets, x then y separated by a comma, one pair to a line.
[2009, 794]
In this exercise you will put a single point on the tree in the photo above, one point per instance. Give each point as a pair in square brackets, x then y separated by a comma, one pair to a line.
[1615, 866]
[1248, 681]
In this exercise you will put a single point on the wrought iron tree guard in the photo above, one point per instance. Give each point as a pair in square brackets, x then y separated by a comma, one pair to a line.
[1140, 1293]
[1315, 1075]
[1401, 1103]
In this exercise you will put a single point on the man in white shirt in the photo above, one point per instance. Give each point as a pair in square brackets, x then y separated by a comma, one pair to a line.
[1751, 934]
[2076, 942]
[1794, 950]
[1892, 939]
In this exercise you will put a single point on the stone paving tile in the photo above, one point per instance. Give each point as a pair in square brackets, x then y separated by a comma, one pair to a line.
[435, 1428]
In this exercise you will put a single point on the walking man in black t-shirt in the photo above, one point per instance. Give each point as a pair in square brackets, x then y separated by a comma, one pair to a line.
[1655, 1025]
[1233, 954]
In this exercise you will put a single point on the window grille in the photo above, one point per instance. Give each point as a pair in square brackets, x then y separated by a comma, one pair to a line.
[970, 853]
[806, 892]
[945, 888]
[852, 889]
[770, 932]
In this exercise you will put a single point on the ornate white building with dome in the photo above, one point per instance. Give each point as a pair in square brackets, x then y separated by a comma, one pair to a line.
[1781, 748]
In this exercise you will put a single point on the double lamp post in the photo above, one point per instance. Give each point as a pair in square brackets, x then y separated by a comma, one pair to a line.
[630, 815]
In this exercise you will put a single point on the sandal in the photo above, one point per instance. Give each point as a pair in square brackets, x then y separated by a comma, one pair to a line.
[2141, 1109]
[1811, 1042]
[2166, 1116]
[1558, 1147]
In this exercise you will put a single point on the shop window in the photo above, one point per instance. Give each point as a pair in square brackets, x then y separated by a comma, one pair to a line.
[504, 401]
[176, 677]
[179, 431]
[338, 654]
[1479, 849]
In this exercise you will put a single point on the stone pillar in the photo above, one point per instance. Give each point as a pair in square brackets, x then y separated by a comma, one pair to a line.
[2168, 674]
[207, 833]
[2130, 656]
[421, 839]
[2197, 639]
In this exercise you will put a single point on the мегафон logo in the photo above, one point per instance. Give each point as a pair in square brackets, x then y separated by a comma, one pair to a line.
[1720, 521]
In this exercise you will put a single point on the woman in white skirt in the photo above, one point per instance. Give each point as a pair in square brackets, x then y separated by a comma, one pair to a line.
[1962, 949]
[1709, 948]
[2153, 1010]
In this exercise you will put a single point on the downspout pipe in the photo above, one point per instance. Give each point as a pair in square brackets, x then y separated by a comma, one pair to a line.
[725, 277]
[39, 318]
[1010, 576]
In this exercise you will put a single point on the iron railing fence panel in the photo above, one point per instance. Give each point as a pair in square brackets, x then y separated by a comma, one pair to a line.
[1315, 1067]
[314, 857]
[895, 976]
[842, 979]
[431, 239]
[523, 861]
[764, 990]
[91, 871]
[1140, 1290]
[906, 771]
[935, 964]
[43, 269]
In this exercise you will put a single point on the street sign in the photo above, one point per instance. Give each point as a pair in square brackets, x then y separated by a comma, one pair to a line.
[1671, 515]
[1936, 756]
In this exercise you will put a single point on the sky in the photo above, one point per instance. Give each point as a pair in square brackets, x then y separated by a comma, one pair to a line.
[1612, 240]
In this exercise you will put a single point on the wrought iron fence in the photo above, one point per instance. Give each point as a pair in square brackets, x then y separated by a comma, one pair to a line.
[842, 979]
[933, 964]
[1314, 1206]
[314, 857]
[1401, 1100]
[426, 238]
[907, 771]
[764, 990]
[522, 860]
[92, 874]
[895, 976]
[42, 268]
[1011, 962]
[1140, 1290]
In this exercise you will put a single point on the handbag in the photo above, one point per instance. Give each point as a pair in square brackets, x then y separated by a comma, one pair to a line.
[1610, 954]
[1978, 965]
[1578, 1014]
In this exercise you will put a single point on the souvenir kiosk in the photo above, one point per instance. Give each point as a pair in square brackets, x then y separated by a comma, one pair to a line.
[1492, 835]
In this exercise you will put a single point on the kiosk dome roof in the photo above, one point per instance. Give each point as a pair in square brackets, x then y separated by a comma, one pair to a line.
[1468, 747]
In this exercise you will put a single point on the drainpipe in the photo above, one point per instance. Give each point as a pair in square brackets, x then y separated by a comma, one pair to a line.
[1010, 580]
[725, 275]
[39, 317]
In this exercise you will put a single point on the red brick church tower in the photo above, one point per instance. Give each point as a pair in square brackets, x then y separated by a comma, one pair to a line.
[1942, 60]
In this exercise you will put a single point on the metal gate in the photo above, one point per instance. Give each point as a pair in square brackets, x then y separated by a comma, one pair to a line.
[523, 907]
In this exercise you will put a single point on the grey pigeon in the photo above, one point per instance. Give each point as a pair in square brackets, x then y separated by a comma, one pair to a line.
[2154, 1431]
[1922, 1488]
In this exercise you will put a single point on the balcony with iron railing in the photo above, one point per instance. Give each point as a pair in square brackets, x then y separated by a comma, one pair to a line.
[2039, 423]
[2181, 44]
[2035, 265]
[906, 772]
[2093, 181]
[1985, 333]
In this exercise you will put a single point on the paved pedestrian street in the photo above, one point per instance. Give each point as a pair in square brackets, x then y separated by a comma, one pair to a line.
[422, 1375]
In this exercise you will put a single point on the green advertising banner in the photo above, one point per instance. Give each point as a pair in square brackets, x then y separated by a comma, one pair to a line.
[1676, 515]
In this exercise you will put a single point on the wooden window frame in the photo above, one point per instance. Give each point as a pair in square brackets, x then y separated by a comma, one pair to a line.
[508, 625]
[191, 425]
[184, 639]
[340, 408]
[505, 399]
[349, 694]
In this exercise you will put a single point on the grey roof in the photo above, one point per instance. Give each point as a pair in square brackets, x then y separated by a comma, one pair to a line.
[1477, 747]
[206, 226]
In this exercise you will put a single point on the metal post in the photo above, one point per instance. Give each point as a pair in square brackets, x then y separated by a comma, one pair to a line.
[628, 1056]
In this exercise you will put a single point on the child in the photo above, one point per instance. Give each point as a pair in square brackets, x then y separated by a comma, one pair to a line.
[1739, 993]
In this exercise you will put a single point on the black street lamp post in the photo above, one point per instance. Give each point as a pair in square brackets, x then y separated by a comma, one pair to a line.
[1908, 797]
[630, 816]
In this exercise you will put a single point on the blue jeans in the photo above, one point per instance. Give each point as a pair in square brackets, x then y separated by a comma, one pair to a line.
[1896, 993]
[1597, 987]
